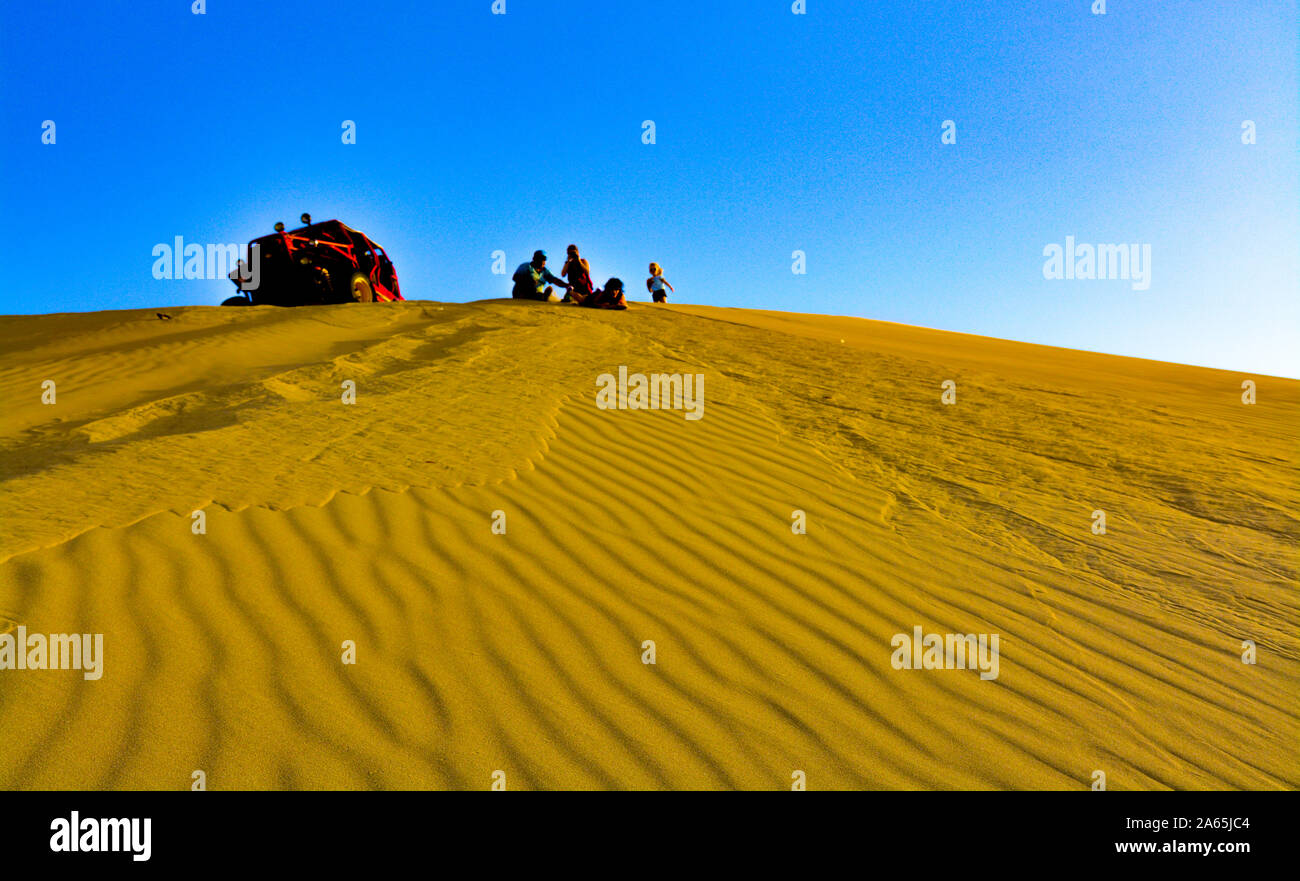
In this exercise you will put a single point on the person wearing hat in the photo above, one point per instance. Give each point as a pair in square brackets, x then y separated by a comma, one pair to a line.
[531, 279]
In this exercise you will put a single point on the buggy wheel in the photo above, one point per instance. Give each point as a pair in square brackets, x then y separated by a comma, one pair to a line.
[236, 301]
[360, 289]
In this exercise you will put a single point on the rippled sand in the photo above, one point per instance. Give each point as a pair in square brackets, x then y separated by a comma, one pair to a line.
[479, 652]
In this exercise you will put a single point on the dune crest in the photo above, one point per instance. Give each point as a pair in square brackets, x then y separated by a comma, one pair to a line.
[524, 651]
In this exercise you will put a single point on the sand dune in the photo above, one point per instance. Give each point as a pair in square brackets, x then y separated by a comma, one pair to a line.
[522, 652]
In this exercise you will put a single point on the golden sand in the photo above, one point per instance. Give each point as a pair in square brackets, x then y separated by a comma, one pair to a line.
[478, 652]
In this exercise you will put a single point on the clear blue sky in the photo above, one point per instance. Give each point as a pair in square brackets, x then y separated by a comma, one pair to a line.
[775, 133]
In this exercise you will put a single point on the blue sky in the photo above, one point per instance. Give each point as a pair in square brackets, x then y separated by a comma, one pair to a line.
[775, 132]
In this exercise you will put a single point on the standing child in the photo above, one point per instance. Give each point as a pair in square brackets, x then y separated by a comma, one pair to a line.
[656, 283]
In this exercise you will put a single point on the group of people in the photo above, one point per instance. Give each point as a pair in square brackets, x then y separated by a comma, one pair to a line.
[533, 281]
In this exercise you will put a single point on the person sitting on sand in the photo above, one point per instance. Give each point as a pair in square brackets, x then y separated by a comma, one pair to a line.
[578, 272]
[611, 297]
[656, 283]
[530, 279]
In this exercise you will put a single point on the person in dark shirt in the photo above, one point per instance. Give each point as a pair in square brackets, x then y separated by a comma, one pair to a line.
[609, 297]
[578, 271]
[531, 279]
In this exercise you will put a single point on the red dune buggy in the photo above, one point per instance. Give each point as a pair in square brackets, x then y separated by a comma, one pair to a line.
[326, 262]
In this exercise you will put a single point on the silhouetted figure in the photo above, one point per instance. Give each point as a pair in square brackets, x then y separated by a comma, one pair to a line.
[578, 272]
[611, 297]
[531, 279]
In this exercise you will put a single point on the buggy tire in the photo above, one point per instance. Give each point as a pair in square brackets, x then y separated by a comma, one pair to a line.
[236, 301]
[359, 289]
